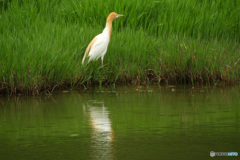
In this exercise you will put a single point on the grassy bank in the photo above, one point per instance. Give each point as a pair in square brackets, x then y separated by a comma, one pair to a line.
[42, 43]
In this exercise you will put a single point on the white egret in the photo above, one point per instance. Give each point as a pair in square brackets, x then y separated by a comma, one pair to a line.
[98, 46]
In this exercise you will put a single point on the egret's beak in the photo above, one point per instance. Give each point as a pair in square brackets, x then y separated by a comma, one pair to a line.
[120, 15]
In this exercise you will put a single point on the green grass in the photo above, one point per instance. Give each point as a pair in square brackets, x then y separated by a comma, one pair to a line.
[180, 41]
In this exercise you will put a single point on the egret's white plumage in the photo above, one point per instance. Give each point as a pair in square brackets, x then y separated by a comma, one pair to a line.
[98, 46]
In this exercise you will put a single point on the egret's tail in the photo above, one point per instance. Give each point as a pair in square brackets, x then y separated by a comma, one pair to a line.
[83, 60]
[84, 57]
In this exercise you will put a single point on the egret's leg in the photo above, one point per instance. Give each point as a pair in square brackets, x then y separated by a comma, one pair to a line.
[102, 63]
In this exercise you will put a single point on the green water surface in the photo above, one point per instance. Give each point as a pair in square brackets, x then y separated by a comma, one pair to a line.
[170, 122]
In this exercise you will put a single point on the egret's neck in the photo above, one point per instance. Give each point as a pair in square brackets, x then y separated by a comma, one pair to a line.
[108, 28]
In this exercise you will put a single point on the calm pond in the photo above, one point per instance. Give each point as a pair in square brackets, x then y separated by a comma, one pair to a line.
[168, 122]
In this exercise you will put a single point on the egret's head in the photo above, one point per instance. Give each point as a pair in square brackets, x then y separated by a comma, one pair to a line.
[113, 16]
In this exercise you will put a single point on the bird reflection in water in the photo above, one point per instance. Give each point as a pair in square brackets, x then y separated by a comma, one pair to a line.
[102, 134]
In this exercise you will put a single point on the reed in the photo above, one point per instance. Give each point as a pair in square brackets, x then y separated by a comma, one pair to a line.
[42, 43]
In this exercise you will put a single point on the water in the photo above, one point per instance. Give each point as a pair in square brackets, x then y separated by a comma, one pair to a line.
[172, 122]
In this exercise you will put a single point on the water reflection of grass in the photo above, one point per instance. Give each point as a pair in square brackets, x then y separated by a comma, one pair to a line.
[183, 108]
[35, 119]
[42, 43]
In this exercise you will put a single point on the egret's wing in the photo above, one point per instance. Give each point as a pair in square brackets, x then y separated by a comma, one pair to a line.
[89, 47]
[99, 48]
